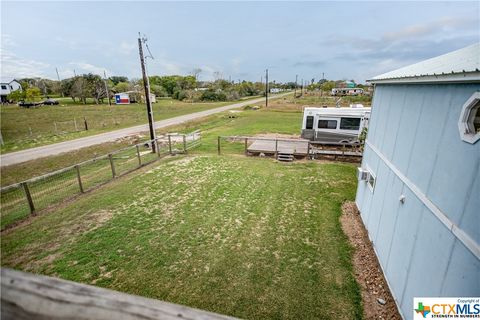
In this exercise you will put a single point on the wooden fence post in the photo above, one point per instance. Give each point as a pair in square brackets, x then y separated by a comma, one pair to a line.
[112, 165]
[218, 145]
[276, 148]
[169, 144]
[79, 178]
[85, 122]
[246, 146]
[75, 122]
[55, 125]
[308, 150]
[138, 155]
[29, 197]
[184, 144]
[158, 147]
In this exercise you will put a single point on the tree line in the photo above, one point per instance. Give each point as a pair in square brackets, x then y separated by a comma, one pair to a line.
[185, 88]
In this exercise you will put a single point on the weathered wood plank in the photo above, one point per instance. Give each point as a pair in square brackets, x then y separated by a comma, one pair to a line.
[29, 296]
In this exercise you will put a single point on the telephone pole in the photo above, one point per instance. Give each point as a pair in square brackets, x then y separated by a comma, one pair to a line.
[147, 91]
[106, 87]
[266, 88]
[295, 92]
[58, 77]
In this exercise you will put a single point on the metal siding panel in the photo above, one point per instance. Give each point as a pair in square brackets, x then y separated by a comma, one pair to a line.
[463, 275]
[470, 221]
[429, 261]
[388, 219]
[399, 255]
[372, 165]
[380, 113]
[407, 129]
[427, 139]
[457, 160]
[430, 153]
[392, 120]
[382, 175]
[376, 105]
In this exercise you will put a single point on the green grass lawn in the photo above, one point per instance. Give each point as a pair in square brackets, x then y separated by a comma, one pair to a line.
[283, 116]
[26, 128]
[275, 119]
[247, 237]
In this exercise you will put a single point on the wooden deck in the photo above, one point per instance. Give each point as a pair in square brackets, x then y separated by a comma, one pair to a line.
[299, 147]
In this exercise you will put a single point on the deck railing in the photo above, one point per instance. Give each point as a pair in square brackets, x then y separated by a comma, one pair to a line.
[29, 296]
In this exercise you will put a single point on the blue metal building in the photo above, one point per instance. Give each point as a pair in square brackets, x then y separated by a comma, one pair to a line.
[419, 188]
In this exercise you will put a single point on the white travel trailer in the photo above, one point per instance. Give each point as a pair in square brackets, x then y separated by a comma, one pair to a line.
[334, 125]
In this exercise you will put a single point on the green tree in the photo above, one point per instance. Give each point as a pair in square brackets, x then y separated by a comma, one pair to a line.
[328, 85]
[16, 96]
[117, 79]
[32, 93]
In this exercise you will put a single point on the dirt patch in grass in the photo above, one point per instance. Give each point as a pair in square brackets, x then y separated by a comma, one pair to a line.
[69, 232]
[368, 274]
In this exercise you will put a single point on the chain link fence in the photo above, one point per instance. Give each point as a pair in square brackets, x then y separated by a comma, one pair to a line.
[20, 200]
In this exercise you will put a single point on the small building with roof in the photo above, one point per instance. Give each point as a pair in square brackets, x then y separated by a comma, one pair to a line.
[7, 86]
[419, 182]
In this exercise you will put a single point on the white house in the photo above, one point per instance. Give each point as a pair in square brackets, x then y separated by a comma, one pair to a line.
[8, 86]
[419, 188]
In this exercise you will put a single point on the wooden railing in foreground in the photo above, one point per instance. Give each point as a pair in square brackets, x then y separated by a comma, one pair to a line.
[29, 296]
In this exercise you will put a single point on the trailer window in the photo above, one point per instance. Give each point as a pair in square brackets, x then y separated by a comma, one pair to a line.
[350, 123]
[309, 124]
[327, 124]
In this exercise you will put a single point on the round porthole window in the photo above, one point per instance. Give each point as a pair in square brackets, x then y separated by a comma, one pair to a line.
[469, 123]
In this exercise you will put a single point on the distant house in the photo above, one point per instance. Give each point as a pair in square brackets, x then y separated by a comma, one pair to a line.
[419, 188]
[8, 86]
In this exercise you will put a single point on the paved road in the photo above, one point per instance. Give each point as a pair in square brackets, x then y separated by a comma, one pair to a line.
[57, 148]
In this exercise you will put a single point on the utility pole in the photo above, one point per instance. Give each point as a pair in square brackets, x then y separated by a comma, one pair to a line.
[106, 87]
[295, 92]
[301, 89]
[58, 77]
[266, 88]
[146, 85]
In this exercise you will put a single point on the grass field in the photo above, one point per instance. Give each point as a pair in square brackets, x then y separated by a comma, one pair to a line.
[247, 237]
[26, 128]
[282, 116]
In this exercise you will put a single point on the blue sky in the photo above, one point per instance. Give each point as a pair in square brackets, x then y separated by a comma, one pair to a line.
[344, 40]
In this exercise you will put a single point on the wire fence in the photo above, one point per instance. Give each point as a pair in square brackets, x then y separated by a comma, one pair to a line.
[20, 200]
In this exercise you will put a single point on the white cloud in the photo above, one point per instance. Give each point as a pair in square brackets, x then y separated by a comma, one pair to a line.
[126, 47]
[83, 67]
[13, 66]
[7, 41]
[236, 64]
[70, 43]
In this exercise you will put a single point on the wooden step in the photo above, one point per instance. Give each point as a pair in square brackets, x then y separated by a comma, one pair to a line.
[285, 157]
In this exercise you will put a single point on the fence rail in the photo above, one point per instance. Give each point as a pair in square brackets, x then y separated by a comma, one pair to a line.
[250, 145]
[19, 200]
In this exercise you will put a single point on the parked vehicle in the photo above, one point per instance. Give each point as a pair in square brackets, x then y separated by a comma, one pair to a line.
[50, 102]
[27, 104]
[346, 91]
[334, 125]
